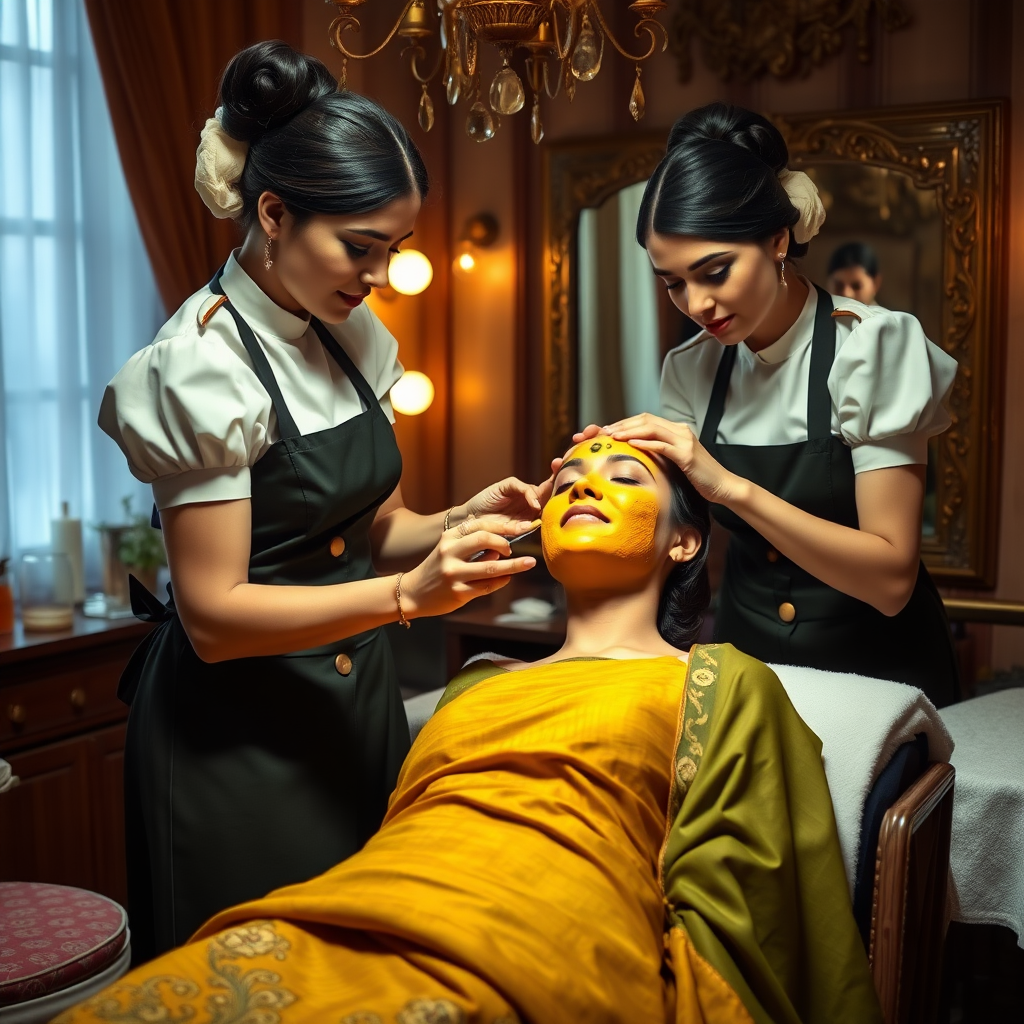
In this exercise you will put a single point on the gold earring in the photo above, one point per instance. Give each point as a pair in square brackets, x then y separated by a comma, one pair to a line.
[267, 261]
[782, 261]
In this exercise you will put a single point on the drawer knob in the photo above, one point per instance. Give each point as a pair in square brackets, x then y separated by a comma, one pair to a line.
[17, 713]
[78, 698]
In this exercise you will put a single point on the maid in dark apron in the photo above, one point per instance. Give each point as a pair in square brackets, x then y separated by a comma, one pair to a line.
[266, 728]
[803, 416]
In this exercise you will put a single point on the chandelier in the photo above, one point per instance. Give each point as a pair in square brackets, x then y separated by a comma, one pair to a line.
[563, 43]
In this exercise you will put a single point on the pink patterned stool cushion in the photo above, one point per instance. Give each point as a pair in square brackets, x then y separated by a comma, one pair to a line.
[52, 936]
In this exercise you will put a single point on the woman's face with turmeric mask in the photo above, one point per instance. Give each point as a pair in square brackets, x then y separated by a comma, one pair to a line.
[607, 521]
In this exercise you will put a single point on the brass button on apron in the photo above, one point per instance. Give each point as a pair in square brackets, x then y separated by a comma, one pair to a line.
[787, 612]
[343, 663]
[773, 555]
[338, 547]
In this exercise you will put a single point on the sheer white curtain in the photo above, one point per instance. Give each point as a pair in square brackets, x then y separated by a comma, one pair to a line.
[77, 295]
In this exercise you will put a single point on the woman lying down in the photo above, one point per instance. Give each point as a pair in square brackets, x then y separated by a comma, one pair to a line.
[617, 833]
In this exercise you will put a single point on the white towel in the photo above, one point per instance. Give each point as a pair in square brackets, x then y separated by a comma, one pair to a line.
[987, 854]
[8, 780]
[418, 710]
[861, 723]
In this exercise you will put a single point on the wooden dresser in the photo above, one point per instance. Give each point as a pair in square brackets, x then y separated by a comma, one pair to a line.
[62, 730]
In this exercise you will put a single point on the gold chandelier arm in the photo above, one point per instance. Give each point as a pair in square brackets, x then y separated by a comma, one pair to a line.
[418, 52]
[653, 28]
[346, 21]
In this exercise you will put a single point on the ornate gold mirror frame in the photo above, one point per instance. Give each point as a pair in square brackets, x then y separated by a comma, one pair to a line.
[957, 151]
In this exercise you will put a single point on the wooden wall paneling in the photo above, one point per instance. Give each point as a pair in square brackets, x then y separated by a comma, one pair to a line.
[107, 800]
[46, 828]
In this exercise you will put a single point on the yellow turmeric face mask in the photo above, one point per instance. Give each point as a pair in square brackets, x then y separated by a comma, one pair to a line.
[603, 512]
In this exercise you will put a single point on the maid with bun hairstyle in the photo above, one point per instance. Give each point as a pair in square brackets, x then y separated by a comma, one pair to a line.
[267, 728]
[804, 417]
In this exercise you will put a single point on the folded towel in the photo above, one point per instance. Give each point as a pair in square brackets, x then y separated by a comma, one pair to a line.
[8, 780]
[861, 723]
[987, 852]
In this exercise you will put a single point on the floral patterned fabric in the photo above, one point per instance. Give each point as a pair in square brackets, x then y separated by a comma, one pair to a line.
[52, 936]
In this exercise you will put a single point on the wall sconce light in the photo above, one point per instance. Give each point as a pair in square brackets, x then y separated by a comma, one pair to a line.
[410, 272]
[412, 393]
[480, 232]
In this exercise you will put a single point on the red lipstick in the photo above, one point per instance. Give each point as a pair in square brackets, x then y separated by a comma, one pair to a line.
[716, 327]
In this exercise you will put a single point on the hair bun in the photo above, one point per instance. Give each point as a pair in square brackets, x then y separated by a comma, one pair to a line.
[719, 122]
[266, 85]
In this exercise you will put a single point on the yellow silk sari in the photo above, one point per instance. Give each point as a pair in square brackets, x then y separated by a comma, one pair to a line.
[588, 841]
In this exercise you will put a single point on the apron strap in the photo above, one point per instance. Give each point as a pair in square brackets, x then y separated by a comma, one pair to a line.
[819, 400]
[716, 406]
[341, 357]
[823, 354]
[261, 366]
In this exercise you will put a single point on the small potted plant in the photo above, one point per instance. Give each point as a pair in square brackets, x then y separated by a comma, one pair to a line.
[131, 547]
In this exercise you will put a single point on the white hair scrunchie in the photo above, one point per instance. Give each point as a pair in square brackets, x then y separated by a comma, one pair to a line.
[803, 194]
[220, 160]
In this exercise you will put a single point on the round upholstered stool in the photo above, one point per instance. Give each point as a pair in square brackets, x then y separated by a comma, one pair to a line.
[58, 946]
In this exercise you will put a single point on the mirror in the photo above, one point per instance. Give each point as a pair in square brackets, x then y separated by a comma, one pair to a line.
[917, 185]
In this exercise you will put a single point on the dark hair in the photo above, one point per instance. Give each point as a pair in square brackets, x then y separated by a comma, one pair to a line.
[720, 180]
[854, 254]
[320, 150]
[687, 591]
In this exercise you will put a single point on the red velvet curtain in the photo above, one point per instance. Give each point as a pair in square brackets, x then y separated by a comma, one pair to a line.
[161, 62]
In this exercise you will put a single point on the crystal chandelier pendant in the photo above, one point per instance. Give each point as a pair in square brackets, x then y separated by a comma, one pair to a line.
[507, 95]
[586, 58]
[536, 127]
[637, 103]
[452, 89]
[480, 124]
[425, 116]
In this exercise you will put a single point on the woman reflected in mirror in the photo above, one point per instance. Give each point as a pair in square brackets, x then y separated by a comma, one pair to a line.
[854, 273]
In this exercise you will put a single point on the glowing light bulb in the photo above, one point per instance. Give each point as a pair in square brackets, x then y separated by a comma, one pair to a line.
[412, 393]
[466, 263]
[410, 272]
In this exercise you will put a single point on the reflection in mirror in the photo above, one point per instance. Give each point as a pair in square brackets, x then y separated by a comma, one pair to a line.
[619, 357]
[902, 225]
[627, 323]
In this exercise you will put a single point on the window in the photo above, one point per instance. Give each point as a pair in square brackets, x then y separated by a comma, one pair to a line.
[77, 294]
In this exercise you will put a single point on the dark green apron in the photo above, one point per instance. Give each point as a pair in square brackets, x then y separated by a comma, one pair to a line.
[761, 588]
[247, 775]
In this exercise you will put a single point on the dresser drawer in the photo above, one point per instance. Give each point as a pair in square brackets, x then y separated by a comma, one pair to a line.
[73, 694]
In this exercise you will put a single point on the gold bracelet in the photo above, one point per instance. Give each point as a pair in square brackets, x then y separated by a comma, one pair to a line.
[398, 599]
[447, 515]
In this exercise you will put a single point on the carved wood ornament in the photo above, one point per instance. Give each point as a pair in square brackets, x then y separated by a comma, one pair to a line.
[745, 39]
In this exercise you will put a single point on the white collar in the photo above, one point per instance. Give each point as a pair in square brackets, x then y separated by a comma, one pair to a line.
[795, 338]
[257, 308]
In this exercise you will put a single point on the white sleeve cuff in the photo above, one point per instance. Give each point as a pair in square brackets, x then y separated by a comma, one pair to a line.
[195, 485]
[900, 450]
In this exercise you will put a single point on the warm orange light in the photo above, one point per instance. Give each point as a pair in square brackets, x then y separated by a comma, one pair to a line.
[466, 263]
[412, 393]
[410, 272]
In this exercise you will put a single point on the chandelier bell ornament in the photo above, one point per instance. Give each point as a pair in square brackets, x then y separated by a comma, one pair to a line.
[556, 42]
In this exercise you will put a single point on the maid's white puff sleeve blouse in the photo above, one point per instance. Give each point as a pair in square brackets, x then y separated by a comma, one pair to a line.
[888, 383]
[190, 414]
